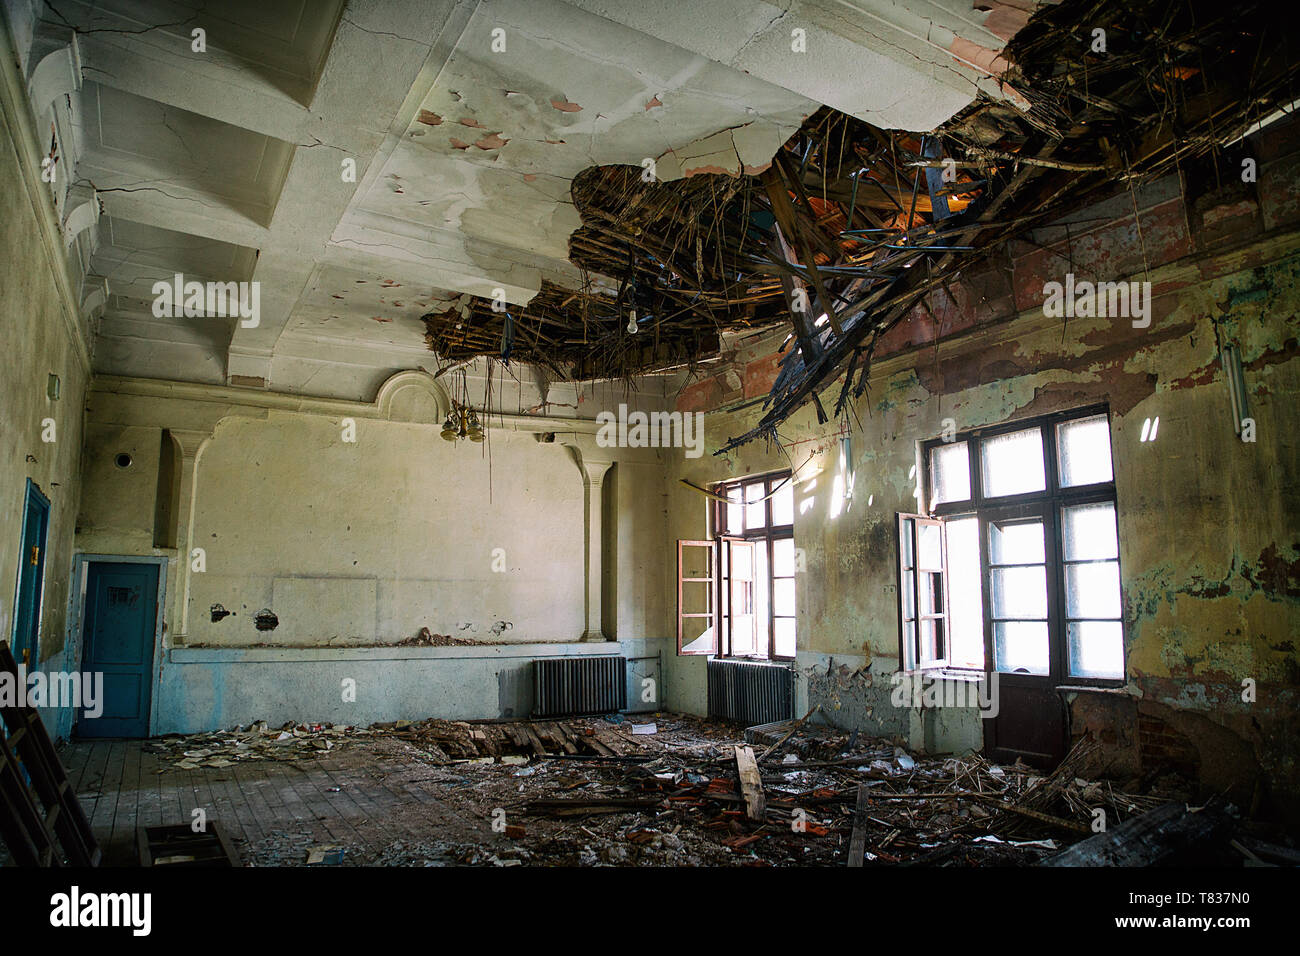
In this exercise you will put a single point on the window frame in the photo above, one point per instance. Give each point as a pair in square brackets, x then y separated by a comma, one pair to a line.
[711, 611]
[1048, 503]
[767, 536]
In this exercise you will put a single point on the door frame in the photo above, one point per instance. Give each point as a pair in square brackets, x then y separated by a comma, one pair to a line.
[77, 618]
[31, 491]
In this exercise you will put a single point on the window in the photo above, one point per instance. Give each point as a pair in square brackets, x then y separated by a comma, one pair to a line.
[753, 528]
[1017, 561]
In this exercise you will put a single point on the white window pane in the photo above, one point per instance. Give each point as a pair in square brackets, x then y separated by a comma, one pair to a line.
[932, 641]
[909, 645]
[965, 596]
[1019, 592]
[906, 528]
[783, 597]
[783, 504]
[1021, 646]
[1096, 649]
[702, 641]
[1083, 447]
[756, 509]
[1092, 590]
[909, 596]
[930, 542]
[1016, 542]
[785, 637]
[1089, 532]
[949, 473]
[783, 557]
[1013, 463]
[762, 597]
[931, 593]
[735, 512]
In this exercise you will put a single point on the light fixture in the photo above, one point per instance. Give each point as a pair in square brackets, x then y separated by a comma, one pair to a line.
[462, 422]
[1232, 371]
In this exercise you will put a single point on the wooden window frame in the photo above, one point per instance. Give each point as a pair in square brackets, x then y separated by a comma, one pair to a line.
[912, 657]
[767, 536]
[712, 612]
[1048, 504]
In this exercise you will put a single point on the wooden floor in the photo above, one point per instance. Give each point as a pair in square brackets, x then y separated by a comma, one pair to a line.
[273, 812]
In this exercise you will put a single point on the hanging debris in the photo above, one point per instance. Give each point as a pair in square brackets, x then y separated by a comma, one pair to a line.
[851, 227]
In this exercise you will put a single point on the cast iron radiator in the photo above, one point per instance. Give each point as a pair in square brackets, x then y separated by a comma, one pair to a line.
[751, 693]
[572, 686]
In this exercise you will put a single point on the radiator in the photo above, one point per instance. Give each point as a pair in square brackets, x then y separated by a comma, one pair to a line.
[750, 693]
[572, 686]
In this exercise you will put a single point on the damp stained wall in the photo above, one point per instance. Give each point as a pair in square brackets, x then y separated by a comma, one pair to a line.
[41, 333]
[1209, 525]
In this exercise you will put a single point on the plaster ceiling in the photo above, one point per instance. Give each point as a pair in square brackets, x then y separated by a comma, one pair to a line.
[466, 122]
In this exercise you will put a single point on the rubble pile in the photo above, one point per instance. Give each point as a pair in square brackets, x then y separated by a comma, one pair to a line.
[257, 741]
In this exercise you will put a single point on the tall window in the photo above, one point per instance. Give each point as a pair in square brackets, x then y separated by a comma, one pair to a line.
[755, 566]
[1017, 561]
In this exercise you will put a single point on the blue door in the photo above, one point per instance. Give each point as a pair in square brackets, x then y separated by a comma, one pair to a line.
[121, 611]
[31, 577]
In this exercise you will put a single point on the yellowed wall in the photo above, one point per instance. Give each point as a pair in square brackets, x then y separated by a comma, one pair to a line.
[39, 334]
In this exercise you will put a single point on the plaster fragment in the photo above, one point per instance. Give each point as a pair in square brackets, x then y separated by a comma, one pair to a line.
[429, 118]
[565, 106]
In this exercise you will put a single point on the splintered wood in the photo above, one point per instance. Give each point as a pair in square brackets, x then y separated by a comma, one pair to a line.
[751, 783]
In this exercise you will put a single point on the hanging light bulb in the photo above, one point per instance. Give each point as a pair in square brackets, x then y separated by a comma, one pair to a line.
[449, 428]
[631, 321]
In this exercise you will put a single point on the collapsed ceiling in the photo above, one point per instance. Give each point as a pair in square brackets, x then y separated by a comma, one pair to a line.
[850, 225]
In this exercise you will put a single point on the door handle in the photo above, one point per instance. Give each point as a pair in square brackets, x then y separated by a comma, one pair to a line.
[36, 554]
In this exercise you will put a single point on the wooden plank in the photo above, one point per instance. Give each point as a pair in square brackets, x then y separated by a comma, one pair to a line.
[858, 842]
[1153, 838]
[128, 799]
[533, 739]
[563, 738]
[328, 808]
[225, 789]
[751, 783]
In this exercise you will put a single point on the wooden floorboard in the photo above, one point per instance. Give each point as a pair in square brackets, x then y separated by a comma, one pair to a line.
[335, 829]
[127, 809]
[272, 811]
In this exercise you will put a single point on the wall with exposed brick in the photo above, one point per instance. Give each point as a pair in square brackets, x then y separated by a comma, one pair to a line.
[1209, 530]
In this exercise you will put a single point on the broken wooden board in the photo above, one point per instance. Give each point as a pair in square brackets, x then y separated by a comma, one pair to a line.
[858, 842]
[1148, 840]
[751, 783]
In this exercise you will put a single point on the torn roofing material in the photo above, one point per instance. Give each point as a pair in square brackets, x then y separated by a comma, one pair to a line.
[851, 226]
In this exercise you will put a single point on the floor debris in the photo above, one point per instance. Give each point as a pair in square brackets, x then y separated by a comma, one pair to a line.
[596, 791]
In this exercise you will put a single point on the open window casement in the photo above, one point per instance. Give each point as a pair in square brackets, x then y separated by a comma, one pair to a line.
[739, 613]
[923, 592]
[697, 631]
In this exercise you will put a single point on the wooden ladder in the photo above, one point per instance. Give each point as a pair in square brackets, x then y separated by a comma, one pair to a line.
[60, 833]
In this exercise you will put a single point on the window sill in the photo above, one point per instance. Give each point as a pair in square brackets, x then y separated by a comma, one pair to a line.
[1116, 688]
[939, 673]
